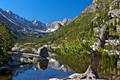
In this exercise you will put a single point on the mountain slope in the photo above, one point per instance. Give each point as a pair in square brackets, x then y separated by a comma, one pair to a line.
[84, 26]
[26, 28]
[16, 22]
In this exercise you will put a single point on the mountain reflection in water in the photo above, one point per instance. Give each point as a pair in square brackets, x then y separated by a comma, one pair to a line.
[63, 66]
[43, 70]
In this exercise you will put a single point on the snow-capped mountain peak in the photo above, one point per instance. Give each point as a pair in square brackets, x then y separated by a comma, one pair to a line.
[20, 24]
[57, 24]
[16, 22]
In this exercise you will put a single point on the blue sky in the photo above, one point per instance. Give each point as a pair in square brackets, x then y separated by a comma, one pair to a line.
[45, 10]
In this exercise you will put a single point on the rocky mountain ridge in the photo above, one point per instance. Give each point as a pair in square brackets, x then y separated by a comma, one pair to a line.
[18, 23]
[24, 27]
[57, 24]
[15, 22]
[89, 23]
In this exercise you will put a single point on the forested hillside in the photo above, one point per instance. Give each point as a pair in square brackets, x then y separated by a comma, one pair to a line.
[6, 39]
[88, 24]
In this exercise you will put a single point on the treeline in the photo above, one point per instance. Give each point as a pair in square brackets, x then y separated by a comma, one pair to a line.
[6, 38]
[85, 27]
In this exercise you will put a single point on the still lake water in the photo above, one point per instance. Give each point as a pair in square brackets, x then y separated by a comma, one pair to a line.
[44, 70]
[62, 66]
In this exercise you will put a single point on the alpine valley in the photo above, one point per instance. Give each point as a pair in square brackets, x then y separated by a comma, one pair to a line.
[24, 27]
[86, 47]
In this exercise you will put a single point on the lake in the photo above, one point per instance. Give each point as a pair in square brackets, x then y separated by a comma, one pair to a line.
[62, 66]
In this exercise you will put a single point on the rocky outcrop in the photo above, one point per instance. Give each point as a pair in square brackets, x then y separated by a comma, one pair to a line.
[57, 24]
[118, 64]
[27, 47]
[94, 1]
[114, 4]
[91, 8]
[14, 21]
[114, 13]
[118, 28]
[43, 52]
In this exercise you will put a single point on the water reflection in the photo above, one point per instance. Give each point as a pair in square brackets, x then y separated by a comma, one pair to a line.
[5, 72]
[43, 70]
[109, 66]
[57, 65]
[62, 66]
[42, 65]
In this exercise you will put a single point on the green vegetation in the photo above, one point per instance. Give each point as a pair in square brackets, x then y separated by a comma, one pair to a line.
[84, 27]
[80, 48]
[22, 38]
[28, 49]
[6, 39]
[79, 64]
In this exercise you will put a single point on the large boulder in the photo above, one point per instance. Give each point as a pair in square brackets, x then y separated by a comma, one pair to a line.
[43, 52]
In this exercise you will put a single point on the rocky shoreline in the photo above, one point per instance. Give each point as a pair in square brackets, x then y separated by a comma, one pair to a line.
[21, 58]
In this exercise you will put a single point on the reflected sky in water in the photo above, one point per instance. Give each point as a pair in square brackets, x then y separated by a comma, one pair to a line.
[42, 75]
[63, 66]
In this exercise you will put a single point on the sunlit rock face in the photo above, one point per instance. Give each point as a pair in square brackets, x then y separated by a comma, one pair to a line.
[94, 1]
[52, 26]
[15, 21]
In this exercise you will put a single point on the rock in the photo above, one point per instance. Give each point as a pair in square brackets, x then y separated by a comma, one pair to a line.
[95, 1]
[43, 52]
[90, 9]
[96, 30]
[114, 4]
[15, 48]
[114, 13]
[118, 78]
[55, 79]
[118, 28]
[118, 64]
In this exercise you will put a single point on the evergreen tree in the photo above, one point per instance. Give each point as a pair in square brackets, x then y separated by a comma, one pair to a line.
[6, 38]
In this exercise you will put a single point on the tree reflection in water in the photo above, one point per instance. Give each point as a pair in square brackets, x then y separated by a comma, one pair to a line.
[108, 65]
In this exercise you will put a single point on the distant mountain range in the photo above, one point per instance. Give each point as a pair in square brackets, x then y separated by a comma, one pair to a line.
[20, 24]
[57, 24]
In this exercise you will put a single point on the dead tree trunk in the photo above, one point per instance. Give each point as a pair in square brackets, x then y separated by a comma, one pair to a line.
[91, 72]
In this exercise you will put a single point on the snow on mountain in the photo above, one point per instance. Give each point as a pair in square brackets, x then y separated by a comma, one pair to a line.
[14, 21]
[57, 24]
[39, 24]
[24, 26]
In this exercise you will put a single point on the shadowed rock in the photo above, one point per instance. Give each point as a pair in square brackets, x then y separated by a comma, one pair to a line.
[43, 52]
